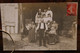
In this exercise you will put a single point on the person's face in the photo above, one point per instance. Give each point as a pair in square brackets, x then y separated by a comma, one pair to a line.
[48, 8]
[45, 10]
[32, 22]
[39, 10]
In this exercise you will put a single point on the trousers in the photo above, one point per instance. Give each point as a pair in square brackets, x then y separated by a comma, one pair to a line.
[42, 37]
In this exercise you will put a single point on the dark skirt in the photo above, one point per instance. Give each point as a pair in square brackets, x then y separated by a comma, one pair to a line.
[52, 38]
[31, 35]
[24, 33]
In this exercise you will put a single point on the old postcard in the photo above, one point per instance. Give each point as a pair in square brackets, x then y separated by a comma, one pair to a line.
[40, 26]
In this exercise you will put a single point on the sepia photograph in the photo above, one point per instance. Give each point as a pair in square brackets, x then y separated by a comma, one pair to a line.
[39, 26]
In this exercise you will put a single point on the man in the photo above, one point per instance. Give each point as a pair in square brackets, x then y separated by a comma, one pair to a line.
[38, 16]
[41, 28]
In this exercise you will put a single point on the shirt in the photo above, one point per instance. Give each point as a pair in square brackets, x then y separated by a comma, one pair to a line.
[42, 26]
[38, 17]
[49, 12]
[47, 19]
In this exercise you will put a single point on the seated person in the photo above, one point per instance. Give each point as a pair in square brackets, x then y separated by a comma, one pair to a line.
[52, 35]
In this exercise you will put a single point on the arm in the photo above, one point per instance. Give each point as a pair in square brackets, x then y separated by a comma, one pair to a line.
[51, 14]
[27, 27]
[37, 27]
[36, 17]
[46, 27]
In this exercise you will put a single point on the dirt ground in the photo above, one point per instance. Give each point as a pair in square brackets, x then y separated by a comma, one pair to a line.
[64, 44]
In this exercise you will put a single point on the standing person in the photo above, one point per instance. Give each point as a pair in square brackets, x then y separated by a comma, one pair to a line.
[31, 35]
[74, 29]
[38, 16]
[41, 28]
[29, 30]
[49, 12]
[44, 12]
[25, 31]
[32, 32]
[44, 15]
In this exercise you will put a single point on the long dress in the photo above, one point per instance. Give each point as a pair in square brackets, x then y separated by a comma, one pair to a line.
[53, 37]
[31, 35]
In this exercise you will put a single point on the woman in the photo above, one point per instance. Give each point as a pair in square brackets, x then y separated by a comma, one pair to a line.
[32, 33]
[53, 38]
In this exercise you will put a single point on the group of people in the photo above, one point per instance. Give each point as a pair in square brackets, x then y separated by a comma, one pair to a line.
[44, 29]
[46, 15]
[47, 33]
